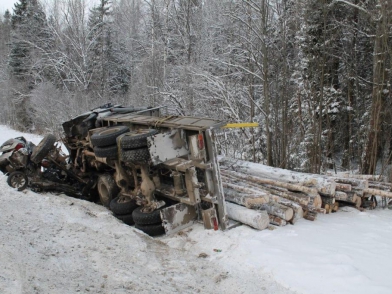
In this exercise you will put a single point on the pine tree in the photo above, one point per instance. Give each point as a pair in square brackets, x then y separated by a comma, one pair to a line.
[99, 35]
[30, 41]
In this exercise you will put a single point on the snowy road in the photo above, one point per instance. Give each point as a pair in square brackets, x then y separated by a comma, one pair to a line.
[56, 244]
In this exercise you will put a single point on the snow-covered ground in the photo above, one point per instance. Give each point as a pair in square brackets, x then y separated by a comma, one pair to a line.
[56, 244]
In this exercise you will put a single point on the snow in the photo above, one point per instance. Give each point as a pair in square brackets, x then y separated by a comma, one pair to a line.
[56, 244]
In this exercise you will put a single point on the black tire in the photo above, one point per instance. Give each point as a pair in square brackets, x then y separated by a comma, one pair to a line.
[151, 230]
[135, 139]
[122, 206]
[126, 218]
[18, 180]
[107, 189]
[43, 148]
[141, 155]
[150, 218]
[107, 136]
[108, 151]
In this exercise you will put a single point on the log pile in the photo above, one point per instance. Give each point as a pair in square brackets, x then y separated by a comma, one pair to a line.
[288, 196]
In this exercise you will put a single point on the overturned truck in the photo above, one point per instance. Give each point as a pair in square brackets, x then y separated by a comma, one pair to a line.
[158, 172]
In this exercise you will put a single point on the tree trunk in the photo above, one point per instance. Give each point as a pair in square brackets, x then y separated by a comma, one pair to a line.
[256, 219]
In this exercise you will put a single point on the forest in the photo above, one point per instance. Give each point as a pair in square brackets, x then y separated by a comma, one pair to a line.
[315, 74]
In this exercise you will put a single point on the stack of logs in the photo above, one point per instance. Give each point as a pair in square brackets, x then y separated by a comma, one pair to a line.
[282, 196]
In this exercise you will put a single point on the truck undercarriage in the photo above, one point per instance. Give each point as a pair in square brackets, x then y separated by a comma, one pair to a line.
[159, 172]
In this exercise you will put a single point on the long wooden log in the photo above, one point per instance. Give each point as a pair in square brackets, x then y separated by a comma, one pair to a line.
[275, 209]
[256, 200]
[382, 183]
[297, 197]
[343, 187]
[265, 181]
[242, 189]
[323, 184]
[359, 185]
[243, 198]
[312, 209]
[348, 196]
[297, 209]
[380, 186]
[258, 219]
[270, 190]
[377, 192]
[315, 198]
[376, 178]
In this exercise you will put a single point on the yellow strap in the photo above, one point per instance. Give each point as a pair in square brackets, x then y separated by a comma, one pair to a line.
[241, 125]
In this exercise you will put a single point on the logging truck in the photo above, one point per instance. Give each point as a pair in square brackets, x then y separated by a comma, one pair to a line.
[158, 172]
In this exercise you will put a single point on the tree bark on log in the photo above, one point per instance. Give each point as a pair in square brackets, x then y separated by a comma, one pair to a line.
[323, 184]
[275, 209]
[328, 200]
[297, 209]
[256, 219]
[380, 186]
[298, 197]
[315, 198]
[270, 190]
[310, 216]
[243, 189]
[376, 178]
[277, 221]
[355, 183]
[351, 197]
[244, 199]
[343, 187]
[377, 192]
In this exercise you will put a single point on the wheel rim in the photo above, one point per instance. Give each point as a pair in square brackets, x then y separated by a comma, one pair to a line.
[18, 181]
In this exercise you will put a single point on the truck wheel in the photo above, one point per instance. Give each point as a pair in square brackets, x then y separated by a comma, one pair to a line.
[126, 218]
[151, 230]
[107, 189]
[142, 218]
[43, 148]
[135, 139]
[18, 180]
[141, 155]
[123, 205]
[108, 151]
[107, 136]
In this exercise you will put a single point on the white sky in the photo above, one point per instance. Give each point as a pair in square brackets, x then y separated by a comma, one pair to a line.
[6, 4]
[9, 4]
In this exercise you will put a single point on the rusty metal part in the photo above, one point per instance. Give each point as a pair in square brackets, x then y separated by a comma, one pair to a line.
[192, 185]
[178, 183]
[68, 172]
[147, 186]
[210, 218]
[121, 177]
[168, 145]
[177, 217]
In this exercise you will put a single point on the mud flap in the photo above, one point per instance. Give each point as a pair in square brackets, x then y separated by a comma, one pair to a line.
[178, 217]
